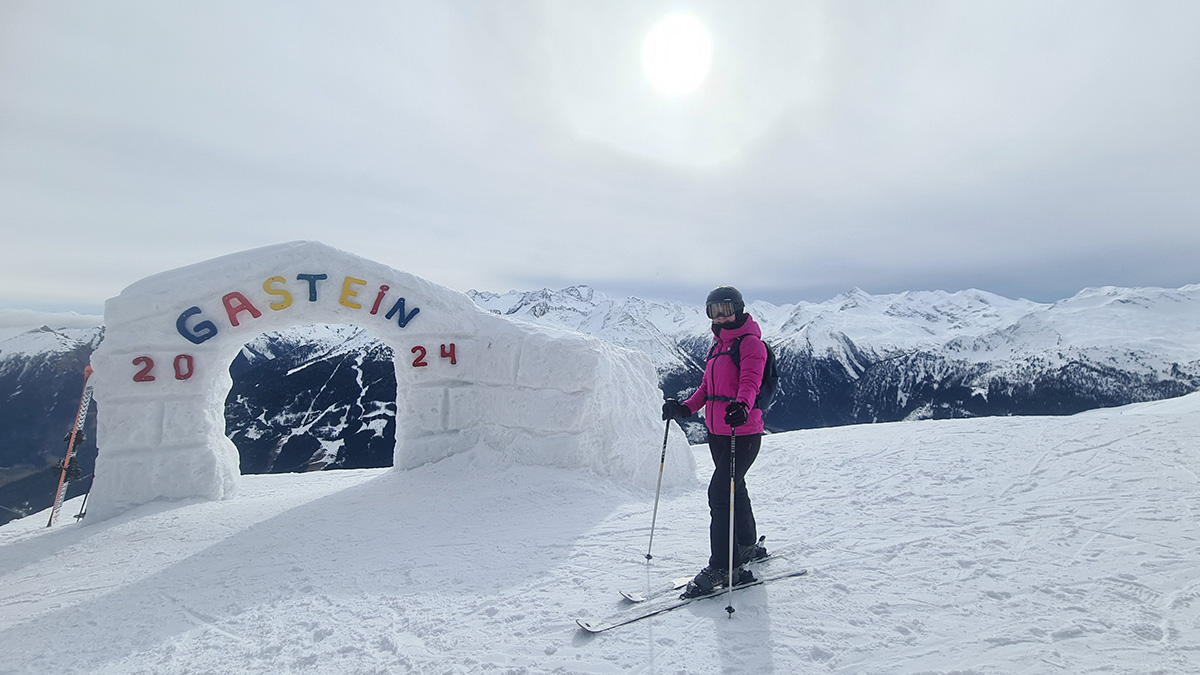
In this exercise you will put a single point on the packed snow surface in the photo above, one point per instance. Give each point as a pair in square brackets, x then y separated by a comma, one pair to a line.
[998, 545]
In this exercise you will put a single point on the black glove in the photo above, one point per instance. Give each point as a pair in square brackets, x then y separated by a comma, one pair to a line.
[673, 409]
[736, 414]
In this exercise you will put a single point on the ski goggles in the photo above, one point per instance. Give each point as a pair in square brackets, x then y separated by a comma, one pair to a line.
[717, 310]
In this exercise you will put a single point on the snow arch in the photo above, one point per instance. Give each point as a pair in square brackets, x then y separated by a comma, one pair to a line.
[464, 377]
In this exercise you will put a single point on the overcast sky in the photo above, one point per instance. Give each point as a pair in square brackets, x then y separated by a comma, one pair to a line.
[1030, 149]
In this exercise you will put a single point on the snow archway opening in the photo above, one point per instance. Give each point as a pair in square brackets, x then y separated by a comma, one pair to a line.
[310, 398]
[465, 378]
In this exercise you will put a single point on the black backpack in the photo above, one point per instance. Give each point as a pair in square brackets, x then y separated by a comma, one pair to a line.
[770, 381]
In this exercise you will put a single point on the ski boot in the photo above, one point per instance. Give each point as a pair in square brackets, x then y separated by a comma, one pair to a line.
[752, 552]
[712, 578]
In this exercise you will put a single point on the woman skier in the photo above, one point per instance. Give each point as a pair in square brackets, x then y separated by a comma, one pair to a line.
[733, 375]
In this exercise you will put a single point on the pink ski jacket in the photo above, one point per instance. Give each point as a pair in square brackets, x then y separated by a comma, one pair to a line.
[724, 382]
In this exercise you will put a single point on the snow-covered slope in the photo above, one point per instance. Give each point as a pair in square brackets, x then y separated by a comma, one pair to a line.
[29, 332]
[998, 545]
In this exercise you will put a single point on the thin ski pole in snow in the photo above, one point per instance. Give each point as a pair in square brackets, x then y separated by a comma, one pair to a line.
[732, 489]
[83, 506]
[662, 461]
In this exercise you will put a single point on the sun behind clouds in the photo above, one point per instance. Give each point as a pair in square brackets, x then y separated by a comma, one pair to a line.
[676, 54]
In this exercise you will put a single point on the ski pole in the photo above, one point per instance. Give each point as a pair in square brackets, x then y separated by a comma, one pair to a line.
[83, 506]
[732, 490]
[662, 461]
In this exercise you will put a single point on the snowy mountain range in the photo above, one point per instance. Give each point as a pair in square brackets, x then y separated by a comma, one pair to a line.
[871, 358]
[322, 396]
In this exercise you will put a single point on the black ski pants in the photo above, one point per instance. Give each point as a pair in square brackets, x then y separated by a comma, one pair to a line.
[745, 531]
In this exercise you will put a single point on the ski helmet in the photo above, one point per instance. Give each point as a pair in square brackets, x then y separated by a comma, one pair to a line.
[724, 301]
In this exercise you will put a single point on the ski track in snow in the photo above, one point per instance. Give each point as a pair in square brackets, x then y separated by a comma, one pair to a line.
[1002, 545]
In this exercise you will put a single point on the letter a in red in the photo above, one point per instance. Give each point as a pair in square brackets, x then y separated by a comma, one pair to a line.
[236, 303]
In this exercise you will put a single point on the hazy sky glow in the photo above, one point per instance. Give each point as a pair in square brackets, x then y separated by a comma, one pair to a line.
[1026, 148]
[676, 54]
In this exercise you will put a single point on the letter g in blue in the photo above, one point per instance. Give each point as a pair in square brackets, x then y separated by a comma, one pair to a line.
[203, 330]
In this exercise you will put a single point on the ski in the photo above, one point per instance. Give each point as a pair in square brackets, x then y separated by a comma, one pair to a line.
[64, 474]
[656, 608]
[676, 584]
[635, 597]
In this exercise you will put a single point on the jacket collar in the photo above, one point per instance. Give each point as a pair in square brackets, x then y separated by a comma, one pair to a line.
[730, 332]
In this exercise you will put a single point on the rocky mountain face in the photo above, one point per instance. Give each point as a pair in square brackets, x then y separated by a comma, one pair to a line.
[313, 398]
[322, 397]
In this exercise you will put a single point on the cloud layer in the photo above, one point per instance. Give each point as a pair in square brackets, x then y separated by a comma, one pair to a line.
[1027, 148]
